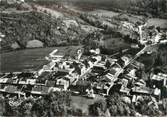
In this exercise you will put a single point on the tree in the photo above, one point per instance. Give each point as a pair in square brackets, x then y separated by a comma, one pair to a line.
[98, 108]
[25, 107]
[54, 104]
[38, 108]
[145, 109]
[59, 102]
[118, 107]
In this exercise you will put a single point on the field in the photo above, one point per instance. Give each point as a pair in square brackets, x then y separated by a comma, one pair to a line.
[29, 59]
[158, 22]
[83, 102]
[115, 43]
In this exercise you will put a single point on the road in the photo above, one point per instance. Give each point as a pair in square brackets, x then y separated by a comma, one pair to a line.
[132, 60]
[136, 56]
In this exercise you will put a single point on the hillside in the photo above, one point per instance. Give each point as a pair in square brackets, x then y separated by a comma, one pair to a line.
[39, 26]
[49, 27]
[156, 8]
[47, 24]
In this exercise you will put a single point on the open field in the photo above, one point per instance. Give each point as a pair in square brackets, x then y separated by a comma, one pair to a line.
[28, 59]
[151, 21]
[158, 22]
[24, 59]
[115, 43]
[83, 102]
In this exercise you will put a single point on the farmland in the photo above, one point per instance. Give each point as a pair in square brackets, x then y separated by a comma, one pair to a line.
[28, 59]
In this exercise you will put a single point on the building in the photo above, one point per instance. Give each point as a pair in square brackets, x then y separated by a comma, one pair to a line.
[27, 81]
[159, 80]
[39, 90]
[11, 89]
[49, 67]
[63, 83]
[141, 91]
[53, 57]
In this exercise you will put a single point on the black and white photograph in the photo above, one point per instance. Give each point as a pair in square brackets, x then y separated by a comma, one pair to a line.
[83, 58]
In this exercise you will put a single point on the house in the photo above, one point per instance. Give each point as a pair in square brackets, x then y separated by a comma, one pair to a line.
[72, 77]
[122, 86]
[2, 75]
[15, 80]
[80, 86]
[126, 60]
[116, 70]
[136, 98]
[159, 80]
[61, 72]
[25, 75]
[101, 87]
[96, 51]
[9, 78]
[11, 89]
[129, 77]
[131, 74]
[39, 90]
[142, 90]
[49, 67]
[111, 77]
[44, 76]
[24, 81]
[98, 58]
[137, 65]
[50, 83]
[124, 90]
[63, 83]
[4, 80]
[98, 69]
[31, 81]
[54, 57]
[52, 54]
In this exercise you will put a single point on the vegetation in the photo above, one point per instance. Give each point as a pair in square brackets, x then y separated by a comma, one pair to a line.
[20, 28]
[118, 107]
[56, 103]
[98, 108]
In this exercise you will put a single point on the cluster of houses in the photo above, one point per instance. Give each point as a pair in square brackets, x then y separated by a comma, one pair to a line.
[88, 75]
[145, 34]
[152, 35]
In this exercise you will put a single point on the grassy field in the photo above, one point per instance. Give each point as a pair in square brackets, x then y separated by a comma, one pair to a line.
[83, 102]
[115, 43]
[158, 22]
[29, 59]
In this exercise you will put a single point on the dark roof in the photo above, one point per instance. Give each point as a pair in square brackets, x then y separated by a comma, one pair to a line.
[50, 83]
[25, 75]
[112, 71]
[42, 89]
[44, 75]
[83, 83]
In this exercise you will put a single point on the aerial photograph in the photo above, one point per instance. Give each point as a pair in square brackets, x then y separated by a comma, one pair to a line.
[83, 58]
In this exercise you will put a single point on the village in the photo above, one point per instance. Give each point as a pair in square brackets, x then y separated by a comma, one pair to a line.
[88, 76]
